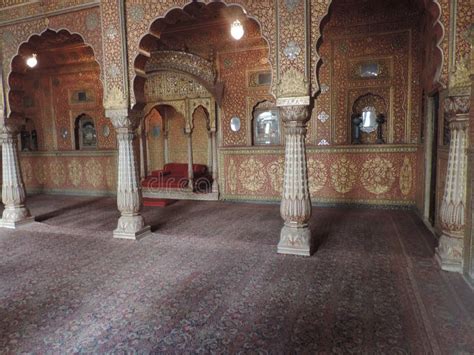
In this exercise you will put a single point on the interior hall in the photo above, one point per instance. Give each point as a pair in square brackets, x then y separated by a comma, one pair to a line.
[273, 176]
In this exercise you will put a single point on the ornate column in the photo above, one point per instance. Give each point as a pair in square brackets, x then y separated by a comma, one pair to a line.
[450, 250]
[166, 147]
[295, 209]
[129, 195]
[189, 135]
[215, 183]
[210, 149]
[143, 152]
[13, 189]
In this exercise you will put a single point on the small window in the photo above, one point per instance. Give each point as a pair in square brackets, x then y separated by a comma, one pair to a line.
[81, 96]
[85, 133]
[266, 127]
[264, 78]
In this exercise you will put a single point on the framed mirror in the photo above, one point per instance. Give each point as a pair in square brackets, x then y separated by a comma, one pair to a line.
[235, 124]
[266, 127]
[369, 120]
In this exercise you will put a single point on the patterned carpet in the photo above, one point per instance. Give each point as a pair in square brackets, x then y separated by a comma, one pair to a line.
[209, 280]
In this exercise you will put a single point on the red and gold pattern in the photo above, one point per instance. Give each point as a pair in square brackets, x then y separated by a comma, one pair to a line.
[376, 175]
[68, 172]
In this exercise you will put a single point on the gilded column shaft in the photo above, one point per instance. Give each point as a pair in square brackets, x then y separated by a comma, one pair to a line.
[13, 189]
[295, 209]
[450, 249]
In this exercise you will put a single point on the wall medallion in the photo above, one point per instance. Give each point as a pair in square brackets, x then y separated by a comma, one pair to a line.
[137, 12]
[105, 130]
[276, 173]
[343, 175]
[235, 124]
[317, 175]
[252, 174]
[406, 177]
[64, 133]
[292, 50]
[378, 175]
[323, 116]
[75, 172]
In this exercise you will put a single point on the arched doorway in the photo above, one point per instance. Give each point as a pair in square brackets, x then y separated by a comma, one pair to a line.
[184, 58]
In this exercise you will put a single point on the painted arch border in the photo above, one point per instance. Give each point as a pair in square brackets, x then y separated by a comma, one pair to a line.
[77, 26]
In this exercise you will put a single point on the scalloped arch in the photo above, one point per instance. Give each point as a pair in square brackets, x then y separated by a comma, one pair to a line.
[138, 80]
[432, 77]
[10, 63]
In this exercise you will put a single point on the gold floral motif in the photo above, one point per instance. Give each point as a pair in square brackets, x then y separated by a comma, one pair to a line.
[276, 173]
[378, 175]
[40, 172]
[232, 176]
[27, 171]
[93, 172]
[58, 175]
[317, 175]
[111, 173]
[75, 172]
[343, 175]
[252, 174]
[406, 177]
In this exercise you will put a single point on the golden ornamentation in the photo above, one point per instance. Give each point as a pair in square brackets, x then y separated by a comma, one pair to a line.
[276, 172]
[27, 171]
[58, 175]
[232, 176]
[406, 177]
[293, 83]
[115, 99]
[172, 86]
[378, 175]
[75, 172]
[111, 173]
[343, 175]
[460, 78]
[317, 175]
[93, 172]
[40, 173]
[252, 174]
[189, 63]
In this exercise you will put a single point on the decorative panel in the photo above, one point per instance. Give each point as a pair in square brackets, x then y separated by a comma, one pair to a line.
[374, 175]
[69, 172]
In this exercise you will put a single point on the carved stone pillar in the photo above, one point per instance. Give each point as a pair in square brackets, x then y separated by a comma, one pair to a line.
[210, 149]
[295, 209]
[166, 147]
[190, 160]
[143, 153]
[215, 183]
[13, 189]
[129, 195]
[450, 250]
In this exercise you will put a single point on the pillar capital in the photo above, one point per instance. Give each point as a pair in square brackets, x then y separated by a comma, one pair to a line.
[124, 120]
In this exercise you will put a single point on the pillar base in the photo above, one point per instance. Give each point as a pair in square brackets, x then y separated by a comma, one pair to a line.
[295, 241]
[5, 223]
[449, 253]
[131, 227]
